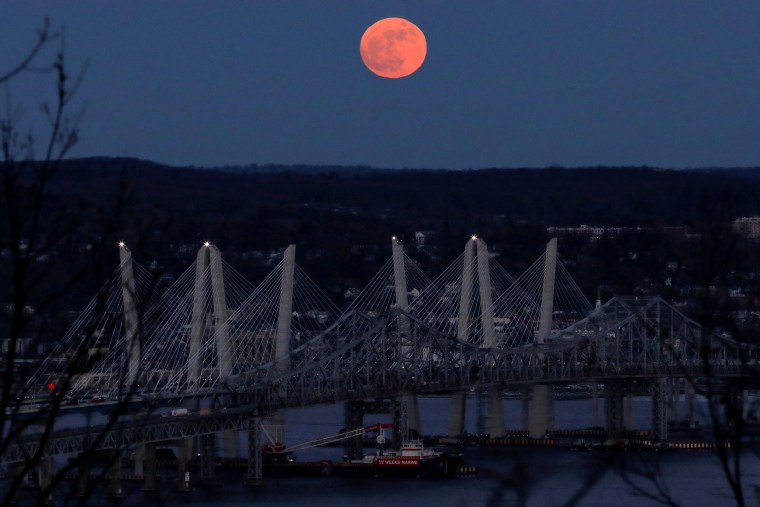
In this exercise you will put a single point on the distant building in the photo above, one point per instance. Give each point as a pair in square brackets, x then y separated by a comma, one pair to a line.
[595, 232]
[747, 227]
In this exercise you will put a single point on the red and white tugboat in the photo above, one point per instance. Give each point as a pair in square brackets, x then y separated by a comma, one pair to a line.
[413, 460]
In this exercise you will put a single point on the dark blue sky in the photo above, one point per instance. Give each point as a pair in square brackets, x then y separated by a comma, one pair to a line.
[505, 83]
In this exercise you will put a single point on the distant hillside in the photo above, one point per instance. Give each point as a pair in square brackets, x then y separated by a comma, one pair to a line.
[552, 196]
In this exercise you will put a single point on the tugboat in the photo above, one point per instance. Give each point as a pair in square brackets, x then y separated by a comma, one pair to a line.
[413, 460]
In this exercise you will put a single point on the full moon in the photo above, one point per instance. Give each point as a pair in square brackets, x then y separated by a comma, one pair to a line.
[393, 47]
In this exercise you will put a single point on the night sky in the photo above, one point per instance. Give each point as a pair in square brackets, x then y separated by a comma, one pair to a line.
[506, 83]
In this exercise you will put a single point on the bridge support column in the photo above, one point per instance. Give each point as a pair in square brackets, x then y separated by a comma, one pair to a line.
[689, 393]
[208, 459]
[400, 416]
[184, 452]
[353, 413]
[114, 472]
[541, 409]
[45, 478]
[139, 459]
[614, 391]
[411, 412]
[673, 399]
[230, 444]
[14, 471]
[254, 476]
[495, 413]
[594, 404]
[629, 412]
[456, 415]
[525, 407]
[151, 482]
[660, 410]
[82, 482]
[481, 405]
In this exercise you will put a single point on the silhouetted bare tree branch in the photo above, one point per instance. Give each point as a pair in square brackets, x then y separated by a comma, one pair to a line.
[32, 227]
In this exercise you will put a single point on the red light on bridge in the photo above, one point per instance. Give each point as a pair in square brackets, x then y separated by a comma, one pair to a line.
[51, 386]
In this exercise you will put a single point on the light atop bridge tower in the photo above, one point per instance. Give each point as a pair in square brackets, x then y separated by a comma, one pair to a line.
[393, 238]
[474, 237]
[207, 244]
[121, 244]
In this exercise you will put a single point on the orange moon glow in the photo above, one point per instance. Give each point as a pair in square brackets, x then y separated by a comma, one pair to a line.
[393, 47]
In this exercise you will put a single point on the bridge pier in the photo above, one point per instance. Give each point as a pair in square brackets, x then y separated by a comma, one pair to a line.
[495, 413]
[208, 459]
[400, 416]
[82, 480]
[412, 423]
[674, 395]
[151, 482]
[614, 392]
[184, 452]
[45, 478]
[629, 412]
[482, 411]
[114, 472]
[689, 395]
[14, 471]
[456, 414]
[139, 459]
[353, 417]
[525, 407]
[253, 476]
[541, 411]
[409, 416]
[659, 390]
[594, 404]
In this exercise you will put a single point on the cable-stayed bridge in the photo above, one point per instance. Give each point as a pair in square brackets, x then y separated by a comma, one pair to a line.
[256, 350]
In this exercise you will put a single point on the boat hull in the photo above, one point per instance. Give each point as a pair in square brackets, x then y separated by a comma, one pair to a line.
[441, 466]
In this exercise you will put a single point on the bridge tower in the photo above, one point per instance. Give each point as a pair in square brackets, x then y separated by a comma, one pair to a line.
[495, 406]
[402, 303]
[282, 334]
[221, 336]
[131, 323]
[542, 409]
[456, 419]
[198, 318]
[209, 258]
[132, 333]
[476, 252]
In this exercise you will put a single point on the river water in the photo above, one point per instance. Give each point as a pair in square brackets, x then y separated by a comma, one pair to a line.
[506, 476]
